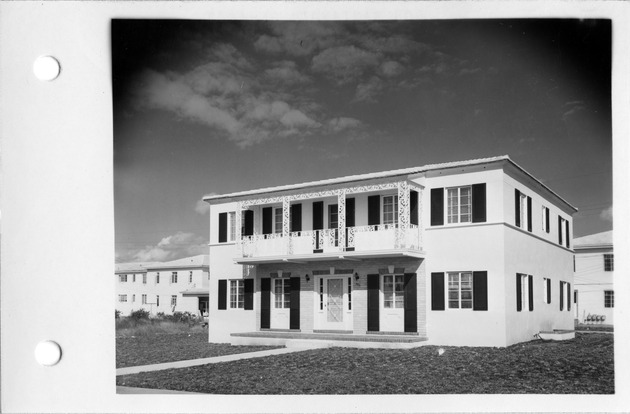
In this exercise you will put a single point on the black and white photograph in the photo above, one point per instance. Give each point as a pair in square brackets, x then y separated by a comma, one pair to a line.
[314, 206]
[364, 207]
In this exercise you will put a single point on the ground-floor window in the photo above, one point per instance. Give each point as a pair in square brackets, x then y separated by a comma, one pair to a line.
[144, 299]
[460, 290]
[122, 298]
[282, 293]
[133, 298]
[393, 291]
[609, 298]
[173, 300]
[157, 300]
[237, 294]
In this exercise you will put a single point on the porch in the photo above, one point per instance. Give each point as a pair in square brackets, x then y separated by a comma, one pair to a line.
[297, 339]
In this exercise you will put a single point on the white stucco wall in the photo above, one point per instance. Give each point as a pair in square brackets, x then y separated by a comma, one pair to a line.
[591, 280]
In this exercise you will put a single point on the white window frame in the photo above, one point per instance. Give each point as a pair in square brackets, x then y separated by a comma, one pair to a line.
[390, 200]
[456, 217]
[173, 300]
[459, 289]
[173, 277]
[609, 296]
[157, 300]
[122, 278]
[190, 277]
[524, 292]
[544, 296]
[144, 299]
[544, 219]
[397, 300]
[609, 257]
[524, 215]
[277, 220]
[157, 278]
[122, 298]
[134, 278]
[133, 297]
[231, 226]
[237, 294]
[281, 297]
[144, 278]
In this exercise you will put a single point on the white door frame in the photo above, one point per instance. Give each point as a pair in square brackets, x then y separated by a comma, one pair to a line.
[321, 303]
[280, 317]
[391, 319]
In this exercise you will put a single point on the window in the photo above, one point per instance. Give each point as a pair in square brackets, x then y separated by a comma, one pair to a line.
[459, 202]
[232, 221]
[460, 290]
[157, 277]
[122, 298]
[390, 209]
[609, 298]
[157, 300]
[523, 210]
[123, 278]
[190, 277]
[133, 298]
[349, 293]
[277, 227]
[563, 231]
[173, 300]
[609, 262]
[545, 219]
[321, 294]
[333, 216]
[393, 292]
[237, 296]
[524, 292]
[144, 279]
[134, 278]
[546, 290]
[174, 277]
[282, 293]
[144, 299]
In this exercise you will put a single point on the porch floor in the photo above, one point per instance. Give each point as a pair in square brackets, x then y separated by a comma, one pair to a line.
[327, 340]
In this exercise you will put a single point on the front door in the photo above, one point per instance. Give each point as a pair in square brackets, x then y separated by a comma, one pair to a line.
[280, 303]
[393, 304]
[334, 306]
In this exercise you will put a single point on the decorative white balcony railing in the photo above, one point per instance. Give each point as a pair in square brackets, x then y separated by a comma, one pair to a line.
[357, 239]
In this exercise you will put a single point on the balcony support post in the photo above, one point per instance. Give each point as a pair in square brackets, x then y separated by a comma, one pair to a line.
[341, 215]
[238, 217]
[286, 223]
[403, 214]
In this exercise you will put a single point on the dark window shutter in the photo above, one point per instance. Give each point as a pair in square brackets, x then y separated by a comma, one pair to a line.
[373, 304]
[479, 203]
[265, 303]
[547, 220]
[222, 302]
[437, 206]
[296, 217]
[529, 214]
[318, 215]
[561, 295]
[566, 224]
[560, 230]
[437, 291]
[294, 313]
[222, 227]
[548, 290]
[411, 302]
[374, 210]
[517, 208]
[248, 223]
[569, 296]
[413, 207]
[480, 291]
[248, 285]
[350, 208]
[530, 284]
[519, 305]
[267, 217]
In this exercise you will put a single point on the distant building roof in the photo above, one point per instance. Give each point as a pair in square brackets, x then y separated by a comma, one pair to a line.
[385, 174]
[187, 262]
[603, 239]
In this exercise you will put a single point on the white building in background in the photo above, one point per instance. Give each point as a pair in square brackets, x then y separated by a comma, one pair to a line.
[472, 253]
[594, 274]
[179, 285]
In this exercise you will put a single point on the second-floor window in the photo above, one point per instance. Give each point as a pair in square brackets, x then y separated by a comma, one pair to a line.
[390, 209]
[157, 277]
[232, 223]
[277, 220]
[174, 277]
[563, 231]
[123, 278]
[609, 298]
[144, 278]
[609, 262]
[545, 219]
[190, 277]
[458, 205]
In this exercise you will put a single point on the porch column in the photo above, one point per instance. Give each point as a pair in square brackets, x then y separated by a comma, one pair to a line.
[403, 214]
[286, 223]
[237, 231]
[341, 216]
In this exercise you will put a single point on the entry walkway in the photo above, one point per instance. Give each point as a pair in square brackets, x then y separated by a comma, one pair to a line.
[204, 361]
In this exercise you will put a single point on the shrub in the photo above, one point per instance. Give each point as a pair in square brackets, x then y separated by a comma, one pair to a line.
[139, 314]
[118, 314]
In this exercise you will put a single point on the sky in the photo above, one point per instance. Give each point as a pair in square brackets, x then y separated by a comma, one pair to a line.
[212, 107]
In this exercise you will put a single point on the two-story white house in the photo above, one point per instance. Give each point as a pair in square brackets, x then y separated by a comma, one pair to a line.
[179, 285]
[594, 295]
[465, 253]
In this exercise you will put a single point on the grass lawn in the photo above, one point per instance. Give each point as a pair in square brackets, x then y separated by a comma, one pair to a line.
[158, 348]
[584, 365]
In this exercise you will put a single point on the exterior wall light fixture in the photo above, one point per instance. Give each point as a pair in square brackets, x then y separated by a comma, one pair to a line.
[356, 276]
[307, 277]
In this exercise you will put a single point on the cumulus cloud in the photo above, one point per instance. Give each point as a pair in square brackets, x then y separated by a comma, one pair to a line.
[391, 68]
[286, 72]
[344, 63]
[343, 123]
[172, 247]
[606, 214]
[367, 92]
[298, 38]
